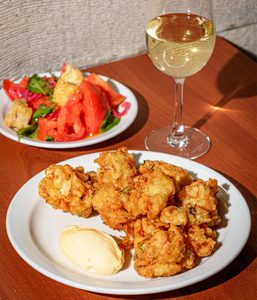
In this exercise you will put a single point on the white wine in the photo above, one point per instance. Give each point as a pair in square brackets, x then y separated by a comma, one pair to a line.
[180, 44]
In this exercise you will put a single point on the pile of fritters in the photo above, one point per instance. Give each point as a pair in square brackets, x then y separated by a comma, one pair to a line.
[168, 217]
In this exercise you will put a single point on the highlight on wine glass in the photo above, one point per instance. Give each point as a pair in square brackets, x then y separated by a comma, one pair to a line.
[180, 37]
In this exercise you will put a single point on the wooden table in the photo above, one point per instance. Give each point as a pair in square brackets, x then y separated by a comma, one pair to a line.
[222, 101]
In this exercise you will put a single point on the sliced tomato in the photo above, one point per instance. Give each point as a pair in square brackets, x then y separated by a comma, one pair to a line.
[24, 82]
[36, 101]
[41, 135]
[70, 121]
[13, 90]
[114, 98]
[95, 106]
[54, 115]
[47, 128]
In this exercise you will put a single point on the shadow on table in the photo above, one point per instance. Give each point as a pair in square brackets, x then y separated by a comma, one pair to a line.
[233, 81]
[244, 259]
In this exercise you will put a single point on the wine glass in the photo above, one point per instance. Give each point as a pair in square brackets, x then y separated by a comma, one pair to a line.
[180, 37]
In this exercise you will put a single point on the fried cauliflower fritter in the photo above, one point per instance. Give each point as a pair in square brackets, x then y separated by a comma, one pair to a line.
[174, 215]
[117, 168]
[68, 189]
[151, 193]
[108, 201]
[199, 198]
[113, 186]
[179, 175]
[158, 252]
[202, 239]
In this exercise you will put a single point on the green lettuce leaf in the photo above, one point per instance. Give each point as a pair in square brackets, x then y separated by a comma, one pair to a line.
[42, 111]
[38, 85]
[27, 131]
[109, 121]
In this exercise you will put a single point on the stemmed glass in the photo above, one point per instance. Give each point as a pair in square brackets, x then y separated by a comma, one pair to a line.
[180, 37]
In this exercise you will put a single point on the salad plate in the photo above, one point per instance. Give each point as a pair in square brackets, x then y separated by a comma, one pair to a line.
[124, 123]
[33, 230]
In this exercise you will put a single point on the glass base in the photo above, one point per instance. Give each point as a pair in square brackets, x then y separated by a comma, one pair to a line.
[194, 144]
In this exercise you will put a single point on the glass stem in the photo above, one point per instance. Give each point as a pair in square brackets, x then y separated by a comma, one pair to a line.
[176, 138]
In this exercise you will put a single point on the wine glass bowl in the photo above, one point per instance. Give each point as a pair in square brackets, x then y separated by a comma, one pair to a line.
[180, 38]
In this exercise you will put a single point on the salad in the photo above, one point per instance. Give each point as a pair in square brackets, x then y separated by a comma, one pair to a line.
[66, 108]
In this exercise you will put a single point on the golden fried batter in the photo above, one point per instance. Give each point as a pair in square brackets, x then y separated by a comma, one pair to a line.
[113, 186]
[68, 189]
[202, 240]
[151, 193]
[189, 259]
[179, 175]
[174, 215]
[199, 198]
[158, 252]
[128, 240]
[117, 168]
[108, 201]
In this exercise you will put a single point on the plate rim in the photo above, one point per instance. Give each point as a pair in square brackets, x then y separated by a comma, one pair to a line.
[115, 131]
[141, 290]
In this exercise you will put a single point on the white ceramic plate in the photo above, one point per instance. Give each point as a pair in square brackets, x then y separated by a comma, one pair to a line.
[124, 123]
[33, 228]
